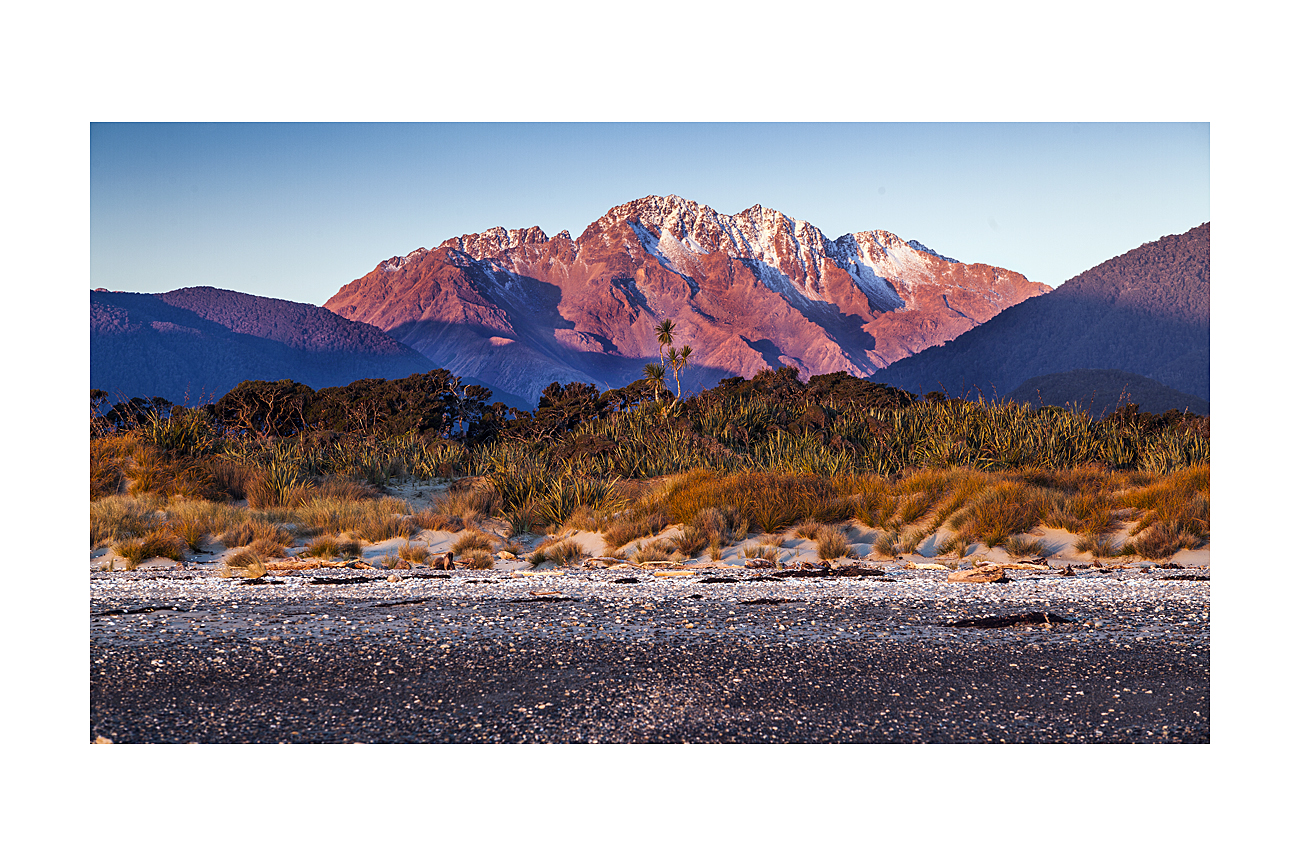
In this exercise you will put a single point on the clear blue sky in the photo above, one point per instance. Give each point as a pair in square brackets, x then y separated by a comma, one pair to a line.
[295, 211]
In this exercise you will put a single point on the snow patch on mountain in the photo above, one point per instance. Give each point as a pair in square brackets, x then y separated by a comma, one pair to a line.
[917, 245]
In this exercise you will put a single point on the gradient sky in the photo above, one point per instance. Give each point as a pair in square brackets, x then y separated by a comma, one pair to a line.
[297, 210]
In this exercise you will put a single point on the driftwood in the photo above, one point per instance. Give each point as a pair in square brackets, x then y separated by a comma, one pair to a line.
[300, 564]
[1042, 618]
[759, 563]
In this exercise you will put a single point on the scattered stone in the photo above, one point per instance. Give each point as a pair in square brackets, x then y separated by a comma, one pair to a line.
[1183, 575]
[394, 578]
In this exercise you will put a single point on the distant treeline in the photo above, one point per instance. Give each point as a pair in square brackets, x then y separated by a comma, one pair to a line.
[738, 413]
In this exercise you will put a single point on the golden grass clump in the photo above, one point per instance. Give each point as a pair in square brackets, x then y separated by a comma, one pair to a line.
[259, 551]
[244, 534]
[810, 529]
[769, 552]
[473, 539]
[656, 550]
[369, 519]
[1017, 545]
[157, 542]
[886, 543]
[418, 553]
[470, 504]
[832, 544]
[477, 558]
[563, 551]
[1100, 546]
[620, 531]
[333, 546]
[690, 540]
[1007, 508]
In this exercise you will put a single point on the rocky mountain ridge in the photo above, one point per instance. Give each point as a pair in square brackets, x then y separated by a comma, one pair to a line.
[519, 309]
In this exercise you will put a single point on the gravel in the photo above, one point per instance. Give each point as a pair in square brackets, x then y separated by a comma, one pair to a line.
[184, 655]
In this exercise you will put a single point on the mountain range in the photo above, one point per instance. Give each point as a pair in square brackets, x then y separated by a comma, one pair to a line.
[753, 290]
[1146, 311]
[515, 310]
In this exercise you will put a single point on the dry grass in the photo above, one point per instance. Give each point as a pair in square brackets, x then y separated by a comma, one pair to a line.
[1161, 540]
[1005, 509]
[1019, 546]
[260, 550]
[418, 553]
[477, 558]
[157, 542]
[1100, 546]
[430, 519]
[473, 539]
[657, 550]
[769, 552]
[564, 551]
[369, 519]
[252, 529]
[690, 540]
[832, 544]
[470, 504]
[620, 531]
[333, 547]
[886, 544]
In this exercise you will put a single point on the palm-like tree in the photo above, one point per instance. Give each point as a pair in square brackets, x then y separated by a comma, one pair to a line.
[679, 360]
[664, 331]
[654, 374]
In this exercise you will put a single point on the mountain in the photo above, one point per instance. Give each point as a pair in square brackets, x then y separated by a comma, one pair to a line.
[1100, 392]
[197, 343]
[1145, 312]
[518, 309]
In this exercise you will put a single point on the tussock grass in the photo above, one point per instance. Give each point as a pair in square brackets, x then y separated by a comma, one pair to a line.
[418, 553]
[430, 519]
[369, 519]
[252, 529]
[1163, 539]
[1100, 546]
[477, 558]
[156, 542]
[333, 547]
[1017, 545]
[690, 540]
[258, 552]
[620, 531]
[470, 504]
[886, 543]
[564, 551]
[473, 539]
[832, 544]
[656, 550]
[1005, 509]
[762, 551]
[810, 530]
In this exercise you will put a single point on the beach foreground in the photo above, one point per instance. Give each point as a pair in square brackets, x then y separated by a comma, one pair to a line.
[711, 656]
